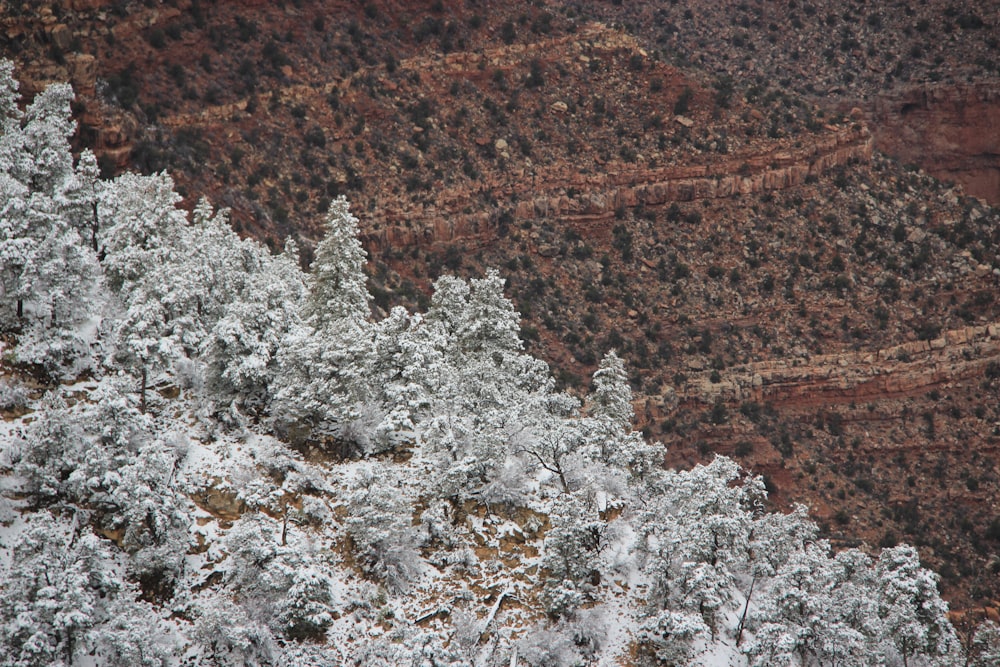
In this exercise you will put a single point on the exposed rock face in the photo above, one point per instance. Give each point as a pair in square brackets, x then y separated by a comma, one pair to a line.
[598, 196]
[87, 5]
[606, 192]
[952, 132]
[904, 370]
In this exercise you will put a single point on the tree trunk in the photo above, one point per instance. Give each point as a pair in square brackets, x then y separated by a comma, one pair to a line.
[142, 392]
[93, 228]
[562, 479]
[20, 308]
[743, 618]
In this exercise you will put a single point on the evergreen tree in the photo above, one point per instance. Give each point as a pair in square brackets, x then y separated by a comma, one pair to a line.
[336, 280]
[612, 396]
[913, 615]
[49, 283]
[322, 390]
[144, 229]
[241, 349]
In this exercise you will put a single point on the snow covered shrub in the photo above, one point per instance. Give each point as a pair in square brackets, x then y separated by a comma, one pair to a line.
[407, 646]
[13, 395]
[550, 647]
[508, 487]
[379, 523]
[285, 586]
[63, 599]
[229, 637]
[670, 635]
[306, 609]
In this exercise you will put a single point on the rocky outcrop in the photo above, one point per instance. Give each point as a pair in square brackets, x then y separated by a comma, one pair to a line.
[904, 370]
[779, 170]
[595, 198]
[952, 132]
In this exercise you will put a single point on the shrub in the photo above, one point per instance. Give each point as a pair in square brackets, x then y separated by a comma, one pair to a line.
[508, 33]
[315, 137]
[683, 102]
[536, 79]
[13, 395]
[157, 39]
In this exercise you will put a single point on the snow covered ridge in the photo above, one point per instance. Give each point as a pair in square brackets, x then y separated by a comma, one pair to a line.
[241, 467]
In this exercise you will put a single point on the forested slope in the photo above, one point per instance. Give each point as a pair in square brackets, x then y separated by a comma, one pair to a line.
[210, 457]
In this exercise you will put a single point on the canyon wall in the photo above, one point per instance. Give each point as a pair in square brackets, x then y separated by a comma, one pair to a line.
[588, 199]
[904, 370]
[952, 132]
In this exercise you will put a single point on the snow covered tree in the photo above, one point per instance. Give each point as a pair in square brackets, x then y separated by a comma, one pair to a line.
[44, 160]
[63, 601]
[985, 648]
[701, 515]
[50, 598]
[695, 529]
[152, 518]
[490, 323]
[337, 281]
[241, 349]
[550, 647]
[103, 456]
[610, 425]
[817, 607]
[143, 242]
[612, 395]
[407, 646]
[10, 114]
[51, 450]
[49, 281]
[17, 247]
[670, 635]
[573, 554]
[132, 636]
[229, 637]
[64, 283]
[283, 586]
[322, 388]
[914, 617]
[380, 525]
[144, 229]
[141, 345]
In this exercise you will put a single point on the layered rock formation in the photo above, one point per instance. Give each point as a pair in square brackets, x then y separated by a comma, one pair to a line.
[900, 371]
[596, 198]
[952, 132]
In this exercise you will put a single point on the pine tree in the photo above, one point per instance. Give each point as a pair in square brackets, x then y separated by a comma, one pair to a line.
[143, 228]
[913, 615]
[57, 591]
[49, 283]
[336, 280]
[612, 396]
[241, 349]
[322, 390]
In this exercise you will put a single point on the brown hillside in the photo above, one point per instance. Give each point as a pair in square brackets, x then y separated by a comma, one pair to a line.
[702, 186]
